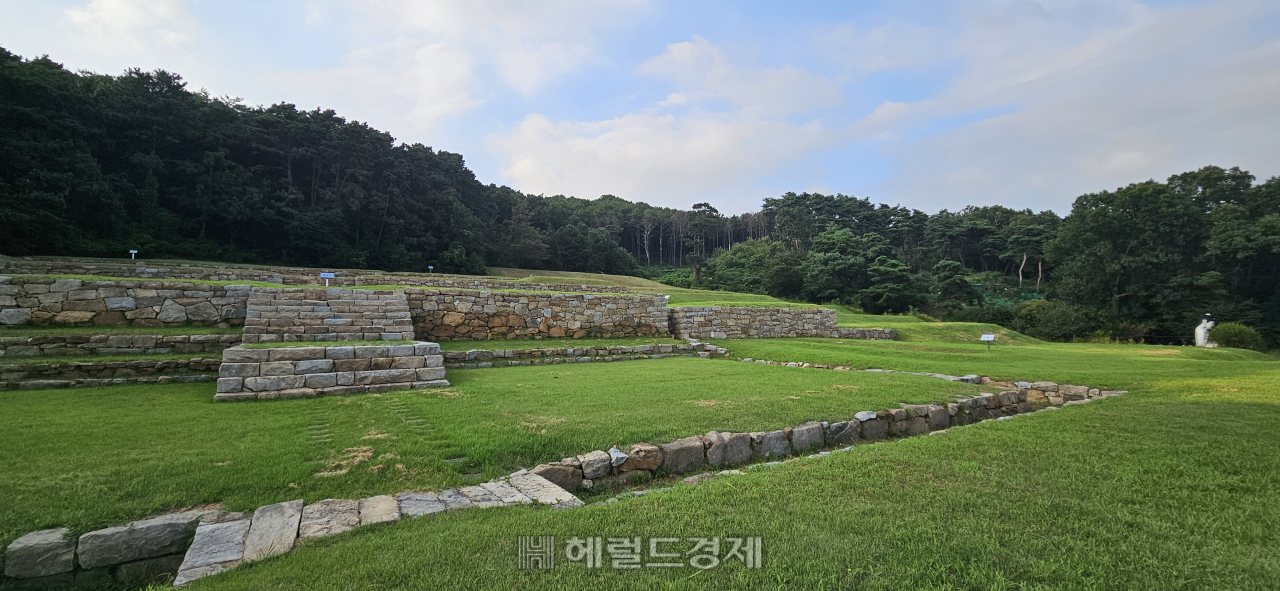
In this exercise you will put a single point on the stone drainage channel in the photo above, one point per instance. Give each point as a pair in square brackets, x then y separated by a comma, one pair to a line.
[196, 544]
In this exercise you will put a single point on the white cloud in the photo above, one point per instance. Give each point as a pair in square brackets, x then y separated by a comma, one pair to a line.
[888, 47]
[131, 26]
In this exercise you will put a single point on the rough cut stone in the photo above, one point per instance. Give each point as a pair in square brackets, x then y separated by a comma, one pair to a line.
[328, 517]
[216, 548]
[543, 491]
[454, 499]
[419, 504]
[770, 444]
[595, 464]
[40, 554]
[807, 436]
[171, 311]
[616, 457]
[566, 477]
[15, 316]
[939, 418]
[643, 456]
[480, 496]
[682, 455]
[874, 429]
[728, 448]
[506, 493]
[842, 433]
[379, 509]
[1043, 386]
[148, 538]
[274, 530]
[865, 415]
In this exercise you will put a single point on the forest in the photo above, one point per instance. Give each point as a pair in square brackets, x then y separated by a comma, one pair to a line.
[95, 165]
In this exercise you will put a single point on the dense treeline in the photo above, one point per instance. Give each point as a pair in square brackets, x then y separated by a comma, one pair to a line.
[96, 165]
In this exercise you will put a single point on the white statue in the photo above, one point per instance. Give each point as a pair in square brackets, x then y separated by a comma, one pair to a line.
[1202, 331]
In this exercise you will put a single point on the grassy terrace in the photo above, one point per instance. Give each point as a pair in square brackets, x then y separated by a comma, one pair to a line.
[501, 344]
[284, 345]
[32, 331]
[61, 359]
[108, 455]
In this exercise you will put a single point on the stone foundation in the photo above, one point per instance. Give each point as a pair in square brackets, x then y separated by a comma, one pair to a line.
[299, 372]
[715, 322]
[454, 314]
[113, 344]
[51, 374]
[294, 315]
[72, 302]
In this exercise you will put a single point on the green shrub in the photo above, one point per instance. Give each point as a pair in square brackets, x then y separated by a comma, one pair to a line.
[678, 278]
[1237, 336]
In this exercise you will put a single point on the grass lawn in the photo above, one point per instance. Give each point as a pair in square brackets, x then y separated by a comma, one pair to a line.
[499, 345]
[291, 344]
[174, 280]
[61, 359]
[95, 457]
[32, 331]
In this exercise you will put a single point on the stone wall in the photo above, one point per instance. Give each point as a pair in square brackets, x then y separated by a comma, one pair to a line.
[715, 322]
[454, 314]
[72, 302]
[51, 374]
[867, 334]
[297, 372]
[113, 344]
[318, 314]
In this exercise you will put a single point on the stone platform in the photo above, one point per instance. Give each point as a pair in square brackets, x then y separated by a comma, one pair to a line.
[300, 372]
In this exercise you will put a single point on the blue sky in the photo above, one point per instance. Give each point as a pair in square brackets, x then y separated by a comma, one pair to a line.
[927, 104]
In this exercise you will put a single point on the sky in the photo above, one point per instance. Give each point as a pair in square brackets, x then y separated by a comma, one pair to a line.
[931, 105]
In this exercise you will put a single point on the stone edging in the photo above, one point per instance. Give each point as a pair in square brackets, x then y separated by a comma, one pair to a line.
[482, 358]
[113, 344]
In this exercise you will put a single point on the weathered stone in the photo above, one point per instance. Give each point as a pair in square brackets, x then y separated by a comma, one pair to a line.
[379, 509]
[616, 457]
[238, 370]
[419, 504]
[566, 477]
[321, 380]
[807, 436]
[770, 444]
[230, 385]
[682, 455]
[121, 304]
[15, 316]
[508, 494]
[40, 554]
[480, 496]
[274, 530]
[1073, 392]
[865, 415]
[172, 311]
[543, 491]
[274, 383]
[148, 538]
[917, 426]
[243, 355]
[313, 366]
[728, 448]
[875, 429]
[73, 317]
[1035, 395]
[328, 517]
[202, 312]
[843, 432]
[216, 548]
[643, 456]
[454, 500]
[939, 419]
[1043, 386]
[595, 464]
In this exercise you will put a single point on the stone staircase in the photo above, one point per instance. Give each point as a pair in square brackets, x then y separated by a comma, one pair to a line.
[277, 314]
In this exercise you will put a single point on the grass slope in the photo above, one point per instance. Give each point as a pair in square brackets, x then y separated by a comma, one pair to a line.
[36, 331]
[499, 345]
[96, 457]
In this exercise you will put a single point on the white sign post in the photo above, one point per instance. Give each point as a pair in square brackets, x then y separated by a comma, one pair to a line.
[132, 253]
[988, 339]
[326, 277]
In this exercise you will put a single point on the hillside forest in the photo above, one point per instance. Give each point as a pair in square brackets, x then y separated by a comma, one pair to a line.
[94, 165]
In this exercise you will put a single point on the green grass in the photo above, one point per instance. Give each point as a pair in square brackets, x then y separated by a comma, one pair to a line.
[36, 331]
[61, 359]
[135, 278]
[564, 280]
[499, 345]
[119, 453]
[324, 344]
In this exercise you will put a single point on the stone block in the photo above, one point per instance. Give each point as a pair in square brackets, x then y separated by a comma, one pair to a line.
[307, 366]
[370, 352]
[480, 496]
[727, 448]
[843, 432]
[216, 548]
[643, 456]
[616, 457]
[384, 376]
[321, 380]
[683, 455]
[12, 316]
[230, 385]
[807, 436]
[939, 418]
[148, 538]
[340, 352]
[566, 477]
[273, 383]
[419, 504]
[274, 530]
[771, 444]
[276, 368]
[296, 353]
[121, 304]
[328, 517]
[917, 426]
[595, 464]
[379, 509]
[350, 365]
[543, 491]
[40, 554]
[75, 317]
[429, 373]
[238, 370]
[1043, 386]
[407, 362]
[243, 355]
[875, 429]
[171, 311]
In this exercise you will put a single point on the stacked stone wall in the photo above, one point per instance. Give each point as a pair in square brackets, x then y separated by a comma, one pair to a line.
[51, 374]
[454, 314]
[334, 314]
[73, 302]
[298, 372]
[113, 344]
[715, 322]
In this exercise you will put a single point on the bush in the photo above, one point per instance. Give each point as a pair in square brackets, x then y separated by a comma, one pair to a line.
[1237, 336]
[677, 278]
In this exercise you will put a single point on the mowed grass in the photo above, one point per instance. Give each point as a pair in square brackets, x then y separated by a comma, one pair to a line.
[499, 345]
[58, 331]
[153, 279]
[95, 457]
[1173, 486]
[61, 359]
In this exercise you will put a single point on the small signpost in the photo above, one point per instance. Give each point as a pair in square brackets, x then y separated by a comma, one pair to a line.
[988, 339]
[326, 277]
[132, 253]
[431, 268]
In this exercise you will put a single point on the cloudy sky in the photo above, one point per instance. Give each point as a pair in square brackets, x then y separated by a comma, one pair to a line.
[928, 104]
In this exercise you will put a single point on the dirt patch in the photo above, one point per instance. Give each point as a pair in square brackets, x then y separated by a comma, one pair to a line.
[374, 434]
[351, 457]
[444, 393]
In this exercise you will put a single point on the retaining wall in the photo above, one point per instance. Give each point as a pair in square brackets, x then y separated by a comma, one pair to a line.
[452, 314]
[297, 372]
[715, 322]
[72, 302]
[113, 344]
[291, 314]
[51, 374]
